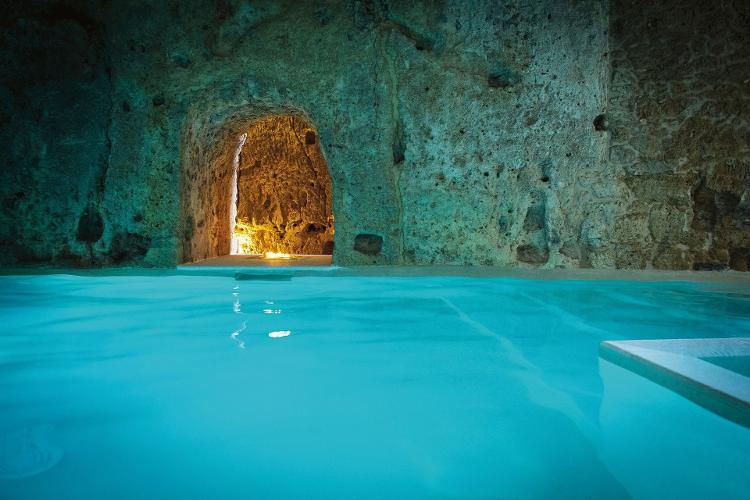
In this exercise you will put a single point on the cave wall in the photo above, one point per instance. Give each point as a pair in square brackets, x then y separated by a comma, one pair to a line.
[679, 119]
[55, 100]
[547, 133]
[501, 163]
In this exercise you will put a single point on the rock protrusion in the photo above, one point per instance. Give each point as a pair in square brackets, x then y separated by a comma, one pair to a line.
[368, 244]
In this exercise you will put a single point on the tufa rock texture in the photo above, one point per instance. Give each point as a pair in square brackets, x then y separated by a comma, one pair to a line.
[679, 116]
[284, 190]
[548, 133]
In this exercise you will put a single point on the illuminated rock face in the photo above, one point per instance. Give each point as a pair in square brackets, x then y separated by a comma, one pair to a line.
[540, 133]
[284, 196]
[284, 190]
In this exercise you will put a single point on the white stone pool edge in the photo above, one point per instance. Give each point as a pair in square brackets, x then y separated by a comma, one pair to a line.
[298, 268]
[717, 277]
[677, 365]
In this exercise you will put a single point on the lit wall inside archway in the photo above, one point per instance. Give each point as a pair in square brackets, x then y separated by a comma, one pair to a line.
[283, 190]
[254, 181]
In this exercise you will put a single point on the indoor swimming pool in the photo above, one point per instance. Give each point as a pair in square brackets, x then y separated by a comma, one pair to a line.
[178, 385]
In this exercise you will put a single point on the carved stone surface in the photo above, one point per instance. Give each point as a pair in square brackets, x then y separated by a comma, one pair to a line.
[680, 133]
[284, 190]
[539, 134]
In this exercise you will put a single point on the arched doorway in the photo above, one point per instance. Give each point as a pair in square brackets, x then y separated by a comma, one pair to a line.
[253, 184]
[281, 191]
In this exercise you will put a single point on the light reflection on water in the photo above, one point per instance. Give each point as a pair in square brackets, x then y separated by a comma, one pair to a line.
[237, 309]
[236, 334]
[398, 388]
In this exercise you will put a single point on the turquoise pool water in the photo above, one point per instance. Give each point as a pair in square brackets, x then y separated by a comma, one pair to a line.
[739, 364]
[347, 387]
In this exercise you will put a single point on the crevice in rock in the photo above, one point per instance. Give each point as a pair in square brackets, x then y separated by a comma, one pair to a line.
[398, 144]
[421, 42]
[704, 207]
[102, 179]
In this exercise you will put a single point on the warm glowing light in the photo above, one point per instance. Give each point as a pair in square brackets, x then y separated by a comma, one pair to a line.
[235, 241]
[245, 243]
[242, 239]
[277, 255]
[279, 334]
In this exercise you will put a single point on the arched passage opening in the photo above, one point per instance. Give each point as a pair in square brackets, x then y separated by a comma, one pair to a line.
[254, 186]
[282, 194]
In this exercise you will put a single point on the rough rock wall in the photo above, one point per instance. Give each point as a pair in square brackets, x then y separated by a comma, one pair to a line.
[205, 192]
[55, 100]
[284, 189]
[494, 104]
[461, 132]
[679, 119]
[288, 58]
[455, 131]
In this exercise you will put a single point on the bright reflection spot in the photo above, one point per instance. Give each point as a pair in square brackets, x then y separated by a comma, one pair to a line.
[279, 334]
[269, 302]
[235, 335]
[271, 311]
[277, 255]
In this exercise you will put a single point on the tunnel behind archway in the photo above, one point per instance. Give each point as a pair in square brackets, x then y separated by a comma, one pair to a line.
[283, 191]
[262, 178]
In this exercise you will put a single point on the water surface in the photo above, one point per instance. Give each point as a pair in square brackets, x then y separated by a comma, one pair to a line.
[347, 387]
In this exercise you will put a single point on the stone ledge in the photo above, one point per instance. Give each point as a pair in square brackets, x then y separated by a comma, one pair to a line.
[679, 365]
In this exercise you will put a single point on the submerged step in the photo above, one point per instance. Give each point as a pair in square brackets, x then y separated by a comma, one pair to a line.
[704, 371]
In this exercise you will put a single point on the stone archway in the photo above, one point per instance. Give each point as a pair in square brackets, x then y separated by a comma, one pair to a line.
[262, 177]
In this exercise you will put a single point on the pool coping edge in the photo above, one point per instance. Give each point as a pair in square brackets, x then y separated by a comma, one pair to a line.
[676, 365]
